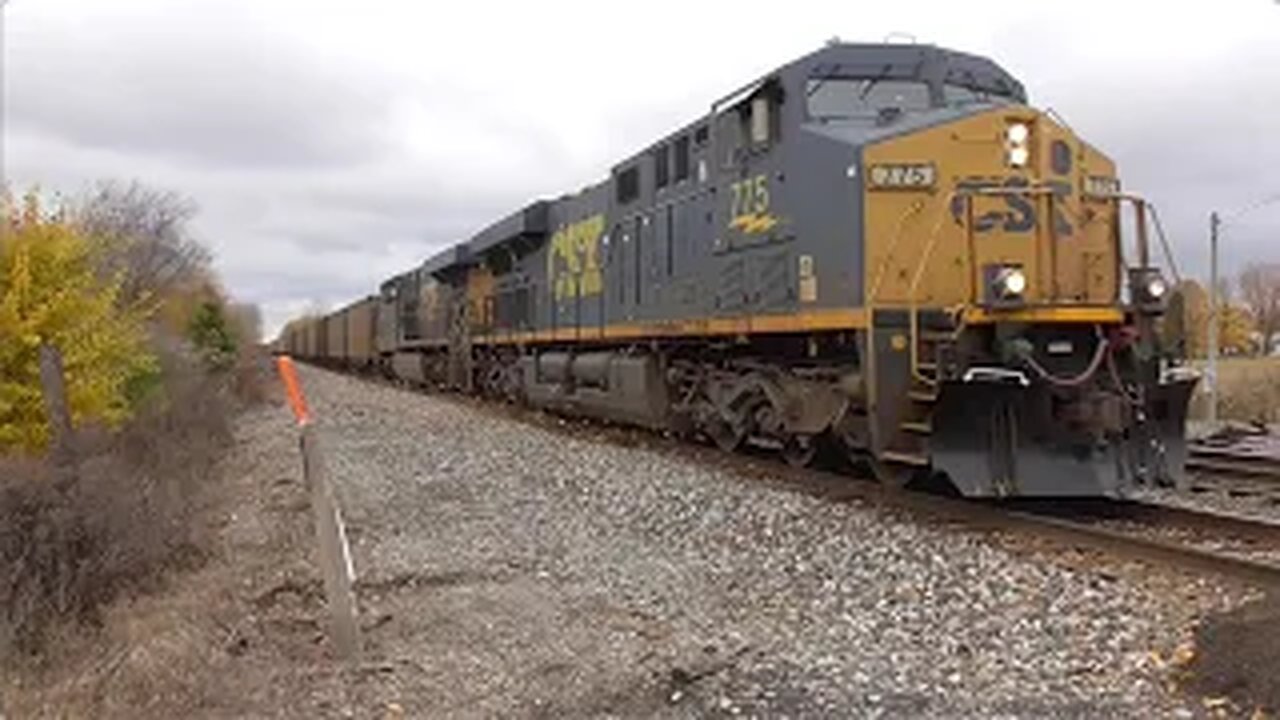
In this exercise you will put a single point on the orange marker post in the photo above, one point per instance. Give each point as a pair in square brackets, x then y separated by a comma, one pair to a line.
[293, 389]
[334, 552]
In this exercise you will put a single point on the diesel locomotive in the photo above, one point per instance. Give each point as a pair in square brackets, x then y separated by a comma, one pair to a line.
[880, 248]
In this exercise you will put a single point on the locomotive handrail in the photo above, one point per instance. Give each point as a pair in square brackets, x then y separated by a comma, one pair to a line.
[1141, 208]
[1039, 189]
[1036, 191]
[1164, 244]
[912, 291]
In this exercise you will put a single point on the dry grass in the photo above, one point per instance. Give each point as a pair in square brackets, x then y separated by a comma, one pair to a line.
[1248, 390]
[127, 521]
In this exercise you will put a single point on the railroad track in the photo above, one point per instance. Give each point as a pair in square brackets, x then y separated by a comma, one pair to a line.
[1265, 468]
[1227, 545]
[1200, 542]
[1235, 488]
[1203, 543]
[1189, 540]
[1243, 475]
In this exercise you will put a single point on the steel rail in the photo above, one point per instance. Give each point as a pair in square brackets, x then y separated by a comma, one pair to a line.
[972, 514]
[1120, 543]
[1264, 493]
[1216, 525]
[999, 517]
[1232, 463]
[1187, 557]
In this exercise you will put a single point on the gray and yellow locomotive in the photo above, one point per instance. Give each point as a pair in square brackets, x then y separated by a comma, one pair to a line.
[882, 247]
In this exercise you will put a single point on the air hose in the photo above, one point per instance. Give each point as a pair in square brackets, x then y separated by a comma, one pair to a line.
[1099, 354]
[1132, 398]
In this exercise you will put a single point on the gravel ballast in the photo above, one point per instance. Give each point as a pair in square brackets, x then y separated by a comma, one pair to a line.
[510, 568]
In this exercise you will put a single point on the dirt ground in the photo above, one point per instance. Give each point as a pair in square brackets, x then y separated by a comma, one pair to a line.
[241, 636]
[555, 623]
[1238, 656]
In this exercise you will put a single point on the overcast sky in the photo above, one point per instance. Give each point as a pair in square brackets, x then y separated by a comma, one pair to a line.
[330, 145]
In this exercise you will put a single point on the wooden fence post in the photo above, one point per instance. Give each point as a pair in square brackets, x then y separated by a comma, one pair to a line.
[63, 528]
[61, 443]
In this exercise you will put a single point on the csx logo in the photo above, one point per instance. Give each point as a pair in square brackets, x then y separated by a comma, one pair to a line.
[1020, 212]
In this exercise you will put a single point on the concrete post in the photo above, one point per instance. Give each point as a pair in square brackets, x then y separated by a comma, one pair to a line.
[333, 550]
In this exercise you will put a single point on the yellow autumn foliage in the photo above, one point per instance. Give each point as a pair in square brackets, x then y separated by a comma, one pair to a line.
[50, 292]
[1188, 322]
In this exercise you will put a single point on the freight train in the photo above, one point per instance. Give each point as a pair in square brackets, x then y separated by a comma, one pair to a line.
[880, 248]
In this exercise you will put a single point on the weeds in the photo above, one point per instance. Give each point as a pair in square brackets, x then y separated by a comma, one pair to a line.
[1248, 391]
[131, 515]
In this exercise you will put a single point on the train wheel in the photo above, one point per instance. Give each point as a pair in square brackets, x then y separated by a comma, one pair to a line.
[727, 437]
[892, 474]
[800, 450]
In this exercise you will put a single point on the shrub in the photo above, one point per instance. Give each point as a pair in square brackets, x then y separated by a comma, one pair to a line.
[130, 516]
[154, 358]
[51, 292]
[212, 335]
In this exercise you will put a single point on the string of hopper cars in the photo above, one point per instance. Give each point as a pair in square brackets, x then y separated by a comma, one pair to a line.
[882, 248]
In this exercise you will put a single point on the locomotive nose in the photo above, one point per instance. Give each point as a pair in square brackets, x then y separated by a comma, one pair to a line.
[1005, 223]
[954, 210]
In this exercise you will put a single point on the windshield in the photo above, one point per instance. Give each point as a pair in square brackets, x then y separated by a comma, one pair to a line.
[956, 94]
[830, 98]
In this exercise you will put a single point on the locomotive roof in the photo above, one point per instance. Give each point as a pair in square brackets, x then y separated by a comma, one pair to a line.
[531, 220]
[454, 255]
[929, 63]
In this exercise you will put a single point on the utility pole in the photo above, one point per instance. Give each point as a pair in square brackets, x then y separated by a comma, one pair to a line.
[1211, 373]
[1215, 229]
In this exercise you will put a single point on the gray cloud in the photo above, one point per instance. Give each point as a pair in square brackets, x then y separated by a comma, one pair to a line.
[195, 89]
[330, 146]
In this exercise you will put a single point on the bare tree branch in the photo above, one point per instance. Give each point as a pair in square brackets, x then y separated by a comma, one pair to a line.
[1260, 288]
[145, 233]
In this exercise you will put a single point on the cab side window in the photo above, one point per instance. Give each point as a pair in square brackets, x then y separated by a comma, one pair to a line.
[753, 124]
[760, 123]
[682, 158]
[661, 166]
[627, 183]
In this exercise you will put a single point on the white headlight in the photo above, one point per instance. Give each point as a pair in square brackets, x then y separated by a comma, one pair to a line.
[1156, 287]
[1018, 133]
[1018, 156]
[1013, 281]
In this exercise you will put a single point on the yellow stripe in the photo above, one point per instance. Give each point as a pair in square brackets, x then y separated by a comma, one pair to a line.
[807, 321]
[1059, 314]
